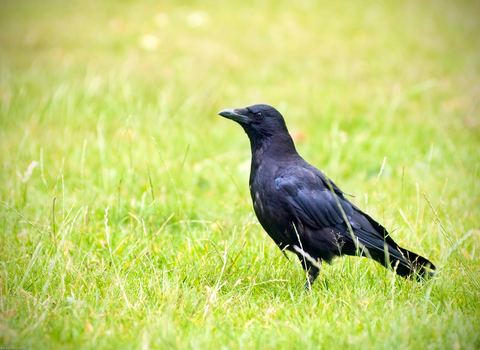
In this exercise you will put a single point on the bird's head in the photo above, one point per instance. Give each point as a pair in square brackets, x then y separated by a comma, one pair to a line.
[258, 121]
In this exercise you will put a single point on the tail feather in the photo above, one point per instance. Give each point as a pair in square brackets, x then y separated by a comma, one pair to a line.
[418, 263]
[404, 262]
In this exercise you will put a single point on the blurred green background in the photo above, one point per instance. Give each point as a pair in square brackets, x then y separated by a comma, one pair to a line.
[126, 217]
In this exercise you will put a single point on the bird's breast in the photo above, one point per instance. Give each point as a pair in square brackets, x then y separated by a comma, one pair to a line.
[266, 198]
[257, 203]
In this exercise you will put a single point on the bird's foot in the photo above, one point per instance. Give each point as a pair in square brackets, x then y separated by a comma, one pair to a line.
[309, 282]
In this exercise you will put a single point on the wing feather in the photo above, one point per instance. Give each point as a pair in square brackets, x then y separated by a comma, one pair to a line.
[313, 201]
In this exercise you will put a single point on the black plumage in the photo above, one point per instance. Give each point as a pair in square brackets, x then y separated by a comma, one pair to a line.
[303, 210]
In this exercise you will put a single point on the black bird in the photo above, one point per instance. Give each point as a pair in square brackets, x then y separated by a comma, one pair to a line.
[303, 210]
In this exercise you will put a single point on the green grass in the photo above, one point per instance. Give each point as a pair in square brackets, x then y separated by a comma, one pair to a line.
[136, 230]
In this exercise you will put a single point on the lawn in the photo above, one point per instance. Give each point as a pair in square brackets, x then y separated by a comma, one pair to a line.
[126, 219]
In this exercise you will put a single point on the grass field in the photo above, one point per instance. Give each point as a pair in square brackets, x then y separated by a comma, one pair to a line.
[125, 216]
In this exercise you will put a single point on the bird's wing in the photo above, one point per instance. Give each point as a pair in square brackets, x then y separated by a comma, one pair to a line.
[315, 204]
[319, 205]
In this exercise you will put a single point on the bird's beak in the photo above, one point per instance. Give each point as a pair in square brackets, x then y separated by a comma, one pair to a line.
[235, 114]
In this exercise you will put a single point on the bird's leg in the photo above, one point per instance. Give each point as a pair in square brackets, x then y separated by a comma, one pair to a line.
[311, 278]
[312, 273]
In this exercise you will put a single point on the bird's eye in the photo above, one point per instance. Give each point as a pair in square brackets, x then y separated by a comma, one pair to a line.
[259, 115]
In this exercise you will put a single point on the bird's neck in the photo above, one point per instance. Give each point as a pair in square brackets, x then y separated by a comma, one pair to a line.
[274, 147]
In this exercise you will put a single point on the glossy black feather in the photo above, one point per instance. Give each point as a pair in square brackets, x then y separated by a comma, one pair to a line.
[304, 211]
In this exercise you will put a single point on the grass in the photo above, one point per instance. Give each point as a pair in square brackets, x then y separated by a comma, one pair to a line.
[134, 228]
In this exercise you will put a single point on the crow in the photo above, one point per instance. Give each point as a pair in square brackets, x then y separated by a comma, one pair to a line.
[304, 211]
